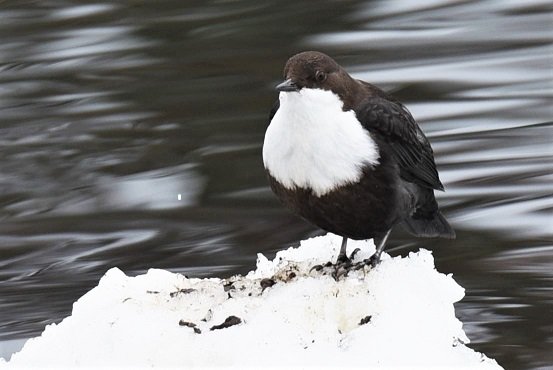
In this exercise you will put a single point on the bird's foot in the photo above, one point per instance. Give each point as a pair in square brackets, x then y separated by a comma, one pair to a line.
[341, 268]
[372, 262]
[336, 270]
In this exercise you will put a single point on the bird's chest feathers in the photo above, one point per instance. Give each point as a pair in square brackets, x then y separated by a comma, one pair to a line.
[312, 143]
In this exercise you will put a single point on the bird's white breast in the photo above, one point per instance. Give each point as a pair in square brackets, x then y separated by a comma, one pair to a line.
[312, 143]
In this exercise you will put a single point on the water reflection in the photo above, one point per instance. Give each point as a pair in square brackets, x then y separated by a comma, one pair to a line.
[111, 110]
[161, 189]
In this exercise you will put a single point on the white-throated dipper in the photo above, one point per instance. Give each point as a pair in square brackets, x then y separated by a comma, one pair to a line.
[349, 158]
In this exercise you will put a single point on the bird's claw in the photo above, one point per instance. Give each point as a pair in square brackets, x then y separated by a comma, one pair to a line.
[373, 260]
[316, 268]
[336, 270]
[355, 251]
[344, 265]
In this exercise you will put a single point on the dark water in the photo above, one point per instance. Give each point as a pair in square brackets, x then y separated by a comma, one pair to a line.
[108, 110]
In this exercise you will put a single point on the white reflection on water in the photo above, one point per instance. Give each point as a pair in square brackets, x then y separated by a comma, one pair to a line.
[79, 11]
[501, 68]
[525, 218]
[91, 41]
[70, 251]
[451, 109]
[536, 260]
[152, 190]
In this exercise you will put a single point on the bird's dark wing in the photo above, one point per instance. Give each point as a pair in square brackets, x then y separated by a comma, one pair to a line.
[274, 109]
[394, 125]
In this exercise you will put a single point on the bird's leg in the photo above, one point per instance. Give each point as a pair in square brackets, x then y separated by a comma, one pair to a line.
[380, 244]
[343, 263]
[342, 255]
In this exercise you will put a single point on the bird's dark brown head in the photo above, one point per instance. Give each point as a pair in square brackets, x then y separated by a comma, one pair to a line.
[315, 70]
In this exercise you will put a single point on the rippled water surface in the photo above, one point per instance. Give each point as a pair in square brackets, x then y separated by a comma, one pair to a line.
[108, 110]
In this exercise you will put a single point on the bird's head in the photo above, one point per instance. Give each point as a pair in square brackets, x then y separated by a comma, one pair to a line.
[315, 70]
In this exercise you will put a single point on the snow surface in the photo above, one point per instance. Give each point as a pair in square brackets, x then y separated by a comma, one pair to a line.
[399, 314]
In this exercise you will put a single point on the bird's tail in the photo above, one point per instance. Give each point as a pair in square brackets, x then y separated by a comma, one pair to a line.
[430, 226]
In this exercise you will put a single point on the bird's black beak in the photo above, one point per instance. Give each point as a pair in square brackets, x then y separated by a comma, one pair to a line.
[287, 85]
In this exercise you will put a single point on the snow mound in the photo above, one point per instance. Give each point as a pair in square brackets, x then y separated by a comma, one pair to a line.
[283, 314]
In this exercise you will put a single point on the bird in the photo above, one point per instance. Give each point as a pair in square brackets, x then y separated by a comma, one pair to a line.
[349, 158]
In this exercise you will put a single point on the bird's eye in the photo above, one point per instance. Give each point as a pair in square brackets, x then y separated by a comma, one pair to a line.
[320, 76]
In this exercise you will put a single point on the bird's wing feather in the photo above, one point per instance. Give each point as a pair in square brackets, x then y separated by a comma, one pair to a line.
[411, 149]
